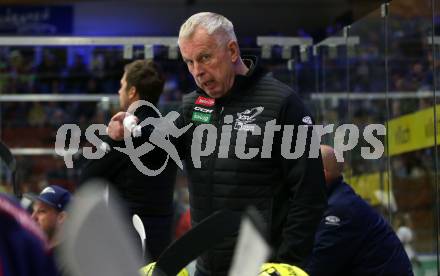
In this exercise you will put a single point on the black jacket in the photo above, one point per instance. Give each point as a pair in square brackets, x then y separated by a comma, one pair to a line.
[354, 240]
[151, 197]
[289, 193]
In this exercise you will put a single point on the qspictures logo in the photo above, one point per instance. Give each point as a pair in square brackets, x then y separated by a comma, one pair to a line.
[160, 131]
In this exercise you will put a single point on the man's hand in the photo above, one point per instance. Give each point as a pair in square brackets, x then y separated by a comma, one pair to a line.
[115, 129]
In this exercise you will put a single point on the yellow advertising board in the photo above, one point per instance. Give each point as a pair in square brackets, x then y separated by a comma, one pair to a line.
[371, 187]
[413, 131]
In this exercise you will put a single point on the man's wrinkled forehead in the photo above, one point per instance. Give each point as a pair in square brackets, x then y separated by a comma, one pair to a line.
[198, 45]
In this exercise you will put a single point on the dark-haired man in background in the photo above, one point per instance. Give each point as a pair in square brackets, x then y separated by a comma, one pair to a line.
[150, 197]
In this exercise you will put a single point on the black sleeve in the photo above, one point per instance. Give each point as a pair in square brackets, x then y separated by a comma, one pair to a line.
[304, 180]
[102, 168]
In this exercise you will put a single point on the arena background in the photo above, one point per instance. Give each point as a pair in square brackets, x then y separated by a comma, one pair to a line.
[358, 62]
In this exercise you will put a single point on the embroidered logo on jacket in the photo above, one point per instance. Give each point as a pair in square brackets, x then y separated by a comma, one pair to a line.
[247, 117]
[204, 110]
[201, 117]
[205, 101]
[307, 120]
[332, 220]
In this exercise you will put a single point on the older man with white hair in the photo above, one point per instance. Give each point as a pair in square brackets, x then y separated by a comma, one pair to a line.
[235, 97]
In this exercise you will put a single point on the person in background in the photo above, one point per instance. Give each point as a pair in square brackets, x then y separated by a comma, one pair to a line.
[49, 211]
[150, 197]
[352, 238]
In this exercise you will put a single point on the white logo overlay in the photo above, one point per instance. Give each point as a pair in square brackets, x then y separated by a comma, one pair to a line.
[160, 130]
[163, 128]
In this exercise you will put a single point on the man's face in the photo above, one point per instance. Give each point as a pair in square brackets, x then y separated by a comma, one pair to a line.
[210, 62]
[123, 94]
[46, 217]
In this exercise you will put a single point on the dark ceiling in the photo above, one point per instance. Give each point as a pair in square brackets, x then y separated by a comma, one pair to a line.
[258, 17]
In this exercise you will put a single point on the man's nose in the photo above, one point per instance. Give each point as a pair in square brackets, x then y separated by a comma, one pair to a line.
[198, 69]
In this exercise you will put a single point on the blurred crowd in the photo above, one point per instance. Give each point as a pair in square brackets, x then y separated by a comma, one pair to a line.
[60, 71]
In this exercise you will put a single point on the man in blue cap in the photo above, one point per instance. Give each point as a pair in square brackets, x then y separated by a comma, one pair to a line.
[49, 211]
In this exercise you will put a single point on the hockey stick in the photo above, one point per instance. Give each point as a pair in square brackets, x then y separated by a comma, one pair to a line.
[11, 163]
[139, 226]
[209, 232]
[252, 248]
[97, 238]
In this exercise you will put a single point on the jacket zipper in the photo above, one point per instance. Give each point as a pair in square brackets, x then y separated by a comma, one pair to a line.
[212, 158]
[212, 161]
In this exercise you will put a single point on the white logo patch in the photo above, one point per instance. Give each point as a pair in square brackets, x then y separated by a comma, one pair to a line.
[48, 190]
[307, 120]
[204, 110]
[246, 117]
[332, 220]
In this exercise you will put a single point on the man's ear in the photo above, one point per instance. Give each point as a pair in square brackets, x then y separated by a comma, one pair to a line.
[233, 50]
[61, 218]
[132, 94]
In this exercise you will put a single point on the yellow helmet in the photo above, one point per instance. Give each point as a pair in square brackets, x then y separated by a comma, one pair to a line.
[272, 269]
[148, 270]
